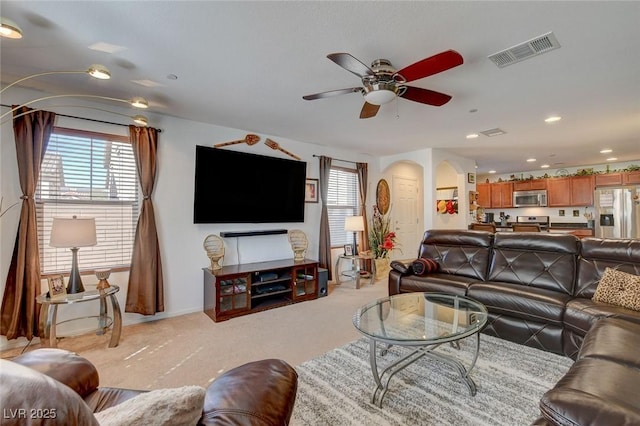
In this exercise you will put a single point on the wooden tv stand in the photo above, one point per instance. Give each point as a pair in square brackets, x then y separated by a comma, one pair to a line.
[237, 290]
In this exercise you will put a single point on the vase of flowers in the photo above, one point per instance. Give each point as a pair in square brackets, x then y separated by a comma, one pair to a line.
[382, 240]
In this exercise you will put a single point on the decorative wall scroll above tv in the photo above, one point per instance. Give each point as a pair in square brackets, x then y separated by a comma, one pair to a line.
[252, 139]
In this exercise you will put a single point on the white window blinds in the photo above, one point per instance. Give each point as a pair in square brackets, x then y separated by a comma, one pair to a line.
[88, 175]
[342, 201]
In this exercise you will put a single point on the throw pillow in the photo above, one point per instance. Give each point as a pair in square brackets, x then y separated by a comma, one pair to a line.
[422, 266]
[28, 397]
[396, 265]
[619, 288]
[162, 407]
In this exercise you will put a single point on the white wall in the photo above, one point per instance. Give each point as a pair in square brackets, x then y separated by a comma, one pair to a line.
[181, 240]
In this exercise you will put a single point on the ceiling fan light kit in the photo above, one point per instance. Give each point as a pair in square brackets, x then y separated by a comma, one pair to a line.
[99, 71]
[381, 83]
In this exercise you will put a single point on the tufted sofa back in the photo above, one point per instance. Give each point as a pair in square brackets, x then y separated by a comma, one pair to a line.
[598, 254]
[464, 253]
[541, 260]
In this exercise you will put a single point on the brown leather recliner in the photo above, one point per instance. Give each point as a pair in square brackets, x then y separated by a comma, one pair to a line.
[257, 393]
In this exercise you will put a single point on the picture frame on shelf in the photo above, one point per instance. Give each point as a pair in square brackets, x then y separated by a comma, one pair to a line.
[471, 178]
[348, 250]
[56, 286]
[311, 191]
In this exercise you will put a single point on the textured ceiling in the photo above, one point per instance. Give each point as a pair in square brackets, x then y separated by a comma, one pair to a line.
[246, 65]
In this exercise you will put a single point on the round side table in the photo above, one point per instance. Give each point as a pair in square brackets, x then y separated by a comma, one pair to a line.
[358, 268]
[49, 313]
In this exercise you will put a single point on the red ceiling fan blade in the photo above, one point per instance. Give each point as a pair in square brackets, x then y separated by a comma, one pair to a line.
[350, 64]
[432, 65]
[369, 110]
[425, 96]
[331, 93]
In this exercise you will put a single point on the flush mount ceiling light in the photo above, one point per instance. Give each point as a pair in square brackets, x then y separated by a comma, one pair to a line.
[531, 160]
[9, 29]
[492, 171]
[544, 166]
[606, 151]
[96, 71]
[139, 102]
[472, 136]
[141, 120]
[552, 119]
[612, 158]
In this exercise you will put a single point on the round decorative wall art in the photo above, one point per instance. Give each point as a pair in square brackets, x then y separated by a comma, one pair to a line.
[383, 196]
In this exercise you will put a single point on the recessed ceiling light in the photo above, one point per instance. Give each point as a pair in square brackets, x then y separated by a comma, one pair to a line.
[552, 119]
[472, 135]
[544, 166]
[612, 158]
[492, 171]
[606, 151]
[531, 160]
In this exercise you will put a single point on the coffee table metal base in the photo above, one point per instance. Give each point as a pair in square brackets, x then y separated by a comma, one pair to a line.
[383, 377]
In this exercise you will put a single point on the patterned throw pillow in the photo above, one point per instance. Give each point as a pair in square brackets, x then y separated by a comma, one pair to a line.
[619, 288]
[422, 266]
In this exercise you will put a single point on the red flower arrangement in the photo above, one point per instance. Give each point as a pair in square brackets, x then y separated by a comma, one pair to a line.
[381, 240]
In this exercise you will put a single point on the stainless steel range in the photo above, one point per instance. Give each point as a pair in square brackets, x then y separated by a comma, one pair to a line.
[543, 221]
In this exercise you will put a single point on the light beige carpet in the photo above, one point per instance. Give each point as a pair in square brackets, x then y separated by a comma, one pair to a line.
[194, 350]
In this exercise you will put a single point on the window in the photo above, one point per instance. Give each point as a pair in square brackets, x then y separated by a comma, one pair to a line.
[342, 201]
[88, 175]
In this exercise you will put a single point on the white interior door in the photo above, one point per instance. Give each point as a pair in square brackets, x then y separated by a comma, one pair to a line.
[404, 216]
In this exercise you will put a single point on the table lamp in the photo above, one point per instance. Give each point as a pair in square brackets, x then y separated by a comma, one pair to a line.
[354, 224]
[73, 233]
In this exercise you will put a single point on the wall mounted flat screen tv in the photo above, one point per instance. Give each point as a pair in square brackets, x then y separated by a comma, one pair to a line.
[237, 187]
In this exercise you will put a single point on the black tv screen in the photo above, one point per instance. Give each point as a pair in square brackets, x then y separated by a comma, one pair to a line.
[236, 187]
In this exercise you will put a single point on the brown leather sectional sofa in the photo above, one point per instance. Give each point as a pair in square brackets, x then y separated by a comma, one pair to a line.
[537, 288]
[257, 393]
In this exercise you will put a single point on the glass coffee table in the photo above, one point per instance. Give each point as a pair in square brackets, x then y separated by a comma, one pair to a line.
[422, 321]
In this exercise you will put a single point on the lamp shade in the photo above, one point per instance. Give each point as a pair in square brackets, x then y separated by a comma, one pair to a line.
[354, 223]
[73, 232]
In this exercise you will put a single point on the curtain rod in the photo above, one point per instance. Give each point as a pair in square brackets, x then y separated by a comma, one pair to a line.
[87, 119]
[337, 159]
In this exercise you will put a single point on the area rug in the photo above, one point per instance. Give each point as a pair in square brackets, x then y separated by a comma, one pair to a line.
[335, 388]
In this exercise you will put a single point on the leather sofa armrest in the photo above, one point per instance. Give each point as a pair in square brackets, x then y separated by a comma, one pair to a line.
[64, 366]
[257, 393]
[394, 282]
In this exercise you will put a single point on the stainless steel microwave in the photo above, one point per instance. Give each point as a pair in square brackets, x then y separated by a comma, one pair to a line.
[530, 198]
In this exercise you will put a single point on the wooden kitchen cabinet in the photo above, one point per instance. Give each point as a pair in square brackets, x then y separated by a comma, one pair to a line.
[631, 178]
[559, 192]
[582, 190]
[484, 195]
[502, 194]
[530, 185]
[572, 191]
[609, 179]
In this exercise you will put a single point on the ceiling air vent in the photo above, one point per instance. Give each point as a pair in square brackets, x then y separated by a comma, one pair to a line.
[526, 50]
[493, 132]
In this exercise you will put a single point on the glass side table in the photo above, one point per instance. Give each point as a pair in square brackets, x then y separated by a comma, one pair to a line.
[49, 312]
[358, 268]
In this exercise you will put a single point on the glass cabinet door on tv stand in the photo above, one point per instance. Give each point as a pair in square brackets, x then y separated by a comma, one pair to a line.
[305, 282]
[234, 294]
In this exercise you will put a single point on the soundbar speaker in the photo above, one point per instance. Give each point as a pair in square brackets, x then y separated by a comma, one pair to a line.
[323, 277]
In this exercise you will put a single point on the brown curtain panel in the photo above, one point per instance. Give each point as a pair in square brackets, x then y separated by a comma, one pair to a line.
[324, 250]
[145, 294]
[19, 309]
[363, 173]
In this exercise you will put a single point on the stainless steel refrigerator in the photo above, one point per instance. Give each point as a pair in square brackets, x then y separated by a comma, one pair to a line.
[617, 212]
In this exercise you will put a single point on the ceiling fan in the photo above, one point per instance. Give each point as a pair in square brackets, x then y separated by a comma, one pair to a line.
[381, 83]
